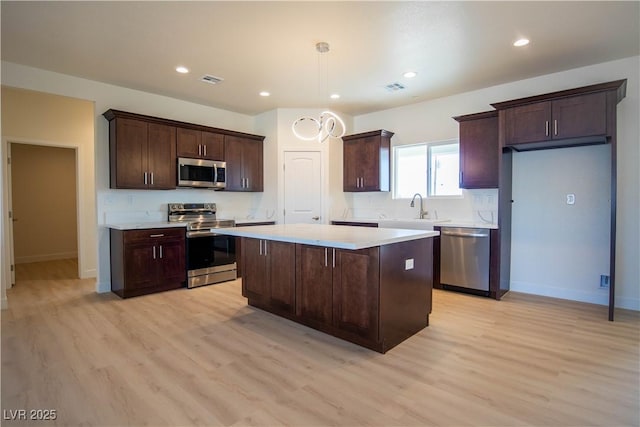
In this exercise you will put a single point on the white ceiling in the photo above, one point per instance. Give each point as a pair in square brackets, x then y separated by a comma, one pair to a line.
[453, 46]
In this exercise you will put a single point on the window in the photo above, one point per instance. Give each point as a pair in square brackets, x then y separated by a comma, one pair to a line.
[431, 168]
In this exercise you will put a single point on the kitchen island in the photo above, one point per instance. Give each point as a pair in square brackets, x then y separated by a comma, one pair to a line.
[368, 286]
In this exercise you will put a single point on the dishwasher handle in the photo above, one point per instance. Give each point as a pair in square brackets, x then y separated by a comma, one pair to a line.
[458, 234]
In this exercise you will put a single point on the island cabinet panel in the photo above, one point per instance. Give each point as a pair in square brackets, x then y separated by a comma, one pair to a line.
[406, 281]
[356, 287]
[314, 284]
[147, 261]
[269, 274]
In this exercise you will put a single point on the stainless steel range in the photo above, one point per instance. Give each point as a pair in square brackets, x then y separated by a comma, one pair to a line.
[211, 257]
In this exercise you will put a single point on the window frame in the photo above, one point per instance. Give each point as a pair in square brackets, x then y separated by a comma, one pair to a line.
[427, 145]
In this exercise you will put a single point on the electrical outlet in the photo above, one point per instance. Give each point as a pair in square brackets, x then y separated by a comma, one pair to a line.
[408, 264]
[604, 281]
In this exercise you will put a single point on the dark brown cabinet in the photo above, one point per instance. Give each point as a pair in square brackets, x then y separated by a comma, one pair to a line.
[147, 261]
[366, 161]
[579, 116]
[196, 144]
[338, 288]
[479, 150]
[269, 273]
[142, 154]
[244, 157]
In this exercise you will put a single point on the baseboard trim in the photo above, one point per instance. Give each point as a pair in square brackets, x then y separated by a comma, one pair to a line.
[598, 296]
[46, 257]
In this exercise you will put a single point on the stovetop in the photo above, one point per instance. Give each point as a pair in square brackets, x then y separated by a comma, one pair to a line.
[199, 215]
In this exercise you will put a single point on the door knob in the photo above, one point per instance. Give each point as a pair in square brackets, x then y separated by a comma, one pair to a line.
[315, 218]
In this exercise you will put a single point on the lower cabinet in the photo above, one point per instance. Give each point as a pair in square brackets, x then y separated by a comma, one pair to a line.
[268, 278]
[147, 261]
[341, 291]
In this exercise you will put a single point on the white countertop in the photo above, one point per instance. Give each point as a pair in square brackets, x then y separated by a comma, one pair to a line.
[408, 221]
[335, 236]
[144, 225]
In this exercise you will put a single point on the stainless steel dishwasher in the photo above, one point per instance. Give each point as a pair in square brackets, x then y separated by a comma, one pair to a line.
[464, 258]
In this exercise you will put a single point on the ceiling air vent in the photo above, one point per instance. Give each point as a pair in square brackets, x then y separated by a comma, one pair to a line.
[207, 78]
[394, 87]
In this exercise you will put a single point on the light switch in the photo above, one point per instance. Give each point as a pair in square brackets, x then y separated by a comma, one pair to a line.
[408, 264]
[571, 199]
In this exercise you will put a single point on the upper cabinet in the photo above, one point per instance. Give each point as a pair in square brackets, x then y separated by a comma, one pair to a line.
[479, 150]
[198, 144]
[244, 157]
[573, 117]
[142, 154]
[366, 161]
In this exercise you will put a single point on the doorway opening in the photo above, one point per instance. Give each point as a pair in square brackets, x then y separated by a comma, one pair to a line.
[44, 216]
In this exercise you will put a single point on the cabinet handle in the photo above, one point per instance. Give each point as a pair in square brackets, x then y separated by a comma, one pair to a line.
[156, 235]
[555, 127]
[151, 178]
[204, 148]
[260, 247]
[161, 256]
[334, 258]
[265, 247]
[145, 178]
[247, 183]
[325, 257]
[546, 128]
[154, 252]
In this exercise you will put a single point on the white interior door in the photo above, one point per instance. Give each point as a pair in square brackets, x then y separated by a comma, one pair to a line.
[302, 187]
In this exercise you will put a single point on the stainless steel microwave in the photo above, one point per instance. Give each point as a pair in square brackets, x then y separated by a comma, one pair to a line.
[201, 173]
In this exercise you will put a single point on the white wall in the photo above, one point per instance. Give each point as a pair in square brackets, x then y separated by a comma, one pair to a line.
[431, 121]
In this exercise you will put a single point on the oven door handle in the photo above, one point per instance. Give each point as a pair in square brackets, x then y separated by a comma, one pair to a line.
[202, 233]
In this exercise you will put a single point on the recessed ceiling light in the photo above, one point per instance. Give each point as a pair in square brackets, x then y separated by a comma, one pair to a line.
[182, 69]
[521, 42]
[410, 74]
[264, 93]
[335, 96]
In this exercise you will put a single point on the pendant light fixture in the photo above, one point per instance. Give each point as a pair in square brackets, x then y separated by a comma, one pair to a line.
[328, 124]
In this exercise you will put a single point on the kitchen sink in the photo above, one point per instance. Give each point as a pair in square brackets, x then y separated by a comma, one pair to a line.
[411, 223]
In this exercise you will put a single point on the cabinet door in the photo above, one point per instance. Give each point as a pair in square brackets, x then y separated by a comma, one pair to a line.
[254, 280]
[314, 284]
[580, 116]
[140, 268]
[281, 272]
[162, 157]
[479, 153]
[356, 292]
[189, 143]
[129, 149]
[233, 149]
[212, 146]
[252, 165]
[369, 149]
[172, 260]
[351, 168]
[528, 123]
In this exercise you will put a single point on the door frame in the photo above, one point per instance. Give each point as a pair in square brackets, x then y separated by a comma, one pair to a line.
[8, 276]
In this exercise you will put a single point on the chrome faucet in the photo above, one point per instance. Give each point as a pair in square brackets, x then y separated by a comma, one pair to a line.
[423, 213]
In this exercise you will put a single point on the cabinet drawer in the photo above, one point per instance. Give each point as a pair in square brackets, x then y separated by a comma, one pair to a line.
[154, 233]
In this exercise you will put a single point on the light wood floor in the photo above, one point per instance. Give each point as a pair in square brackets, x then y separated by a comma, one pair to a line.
[203, 357]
